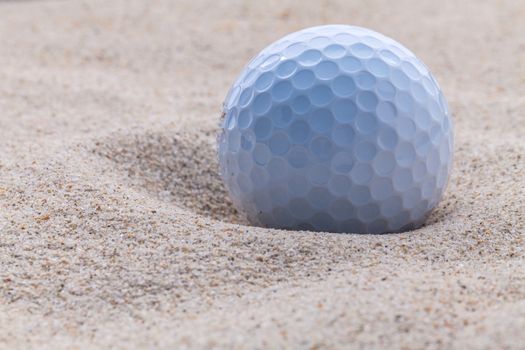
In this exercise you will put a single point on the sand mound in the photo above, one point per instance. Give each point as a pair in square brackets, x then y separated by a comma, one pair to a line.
[176, 167]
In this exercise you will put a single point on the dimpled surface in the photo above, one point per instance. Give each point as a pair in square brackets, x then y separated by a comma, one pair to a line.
[336, 128]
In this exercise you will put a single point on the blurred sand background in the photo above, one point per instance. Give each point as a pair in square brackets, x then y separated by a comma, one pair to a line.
[115, 230]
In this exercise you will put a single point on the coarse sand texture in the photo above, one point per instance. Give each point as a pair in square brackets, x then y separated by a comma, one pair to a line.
[117, 232]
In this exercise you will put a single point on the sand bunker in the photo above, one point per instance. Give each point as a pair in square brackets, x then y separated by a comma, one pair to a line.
[116, 231]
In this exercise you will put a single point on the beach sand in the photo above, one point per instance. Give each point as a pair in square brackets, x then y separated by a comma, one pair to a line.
[116, 232]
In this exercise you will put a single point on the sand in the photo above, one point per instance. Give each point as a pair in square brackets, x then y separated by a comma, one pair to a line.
[116, 232]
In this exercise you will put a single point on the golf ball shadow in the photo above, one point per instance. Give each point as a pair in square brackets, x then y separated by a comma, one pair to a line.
[178, 168]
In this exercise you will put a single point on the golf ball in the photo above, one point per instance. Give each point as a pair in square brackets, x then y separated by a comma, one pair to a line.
[336, 128]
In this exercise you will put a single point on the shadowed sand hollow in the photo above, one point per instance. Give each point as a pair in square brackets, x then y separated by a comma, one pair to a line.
[177, 167]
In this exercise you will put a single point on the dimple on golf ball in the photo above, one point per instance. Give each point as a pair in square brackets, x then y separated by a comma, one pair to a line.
[336, 128]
